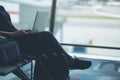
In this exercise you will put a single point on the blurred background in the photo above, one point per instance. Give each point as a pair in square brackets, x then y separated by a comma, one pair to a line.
[81, 22]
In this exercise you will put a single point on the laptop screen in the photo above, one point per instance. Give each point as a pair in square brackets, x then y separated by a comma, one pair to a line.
[41, 21]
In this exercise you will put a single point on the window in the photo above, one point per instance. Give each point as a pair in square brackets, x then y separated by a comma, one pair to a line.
[89, 22]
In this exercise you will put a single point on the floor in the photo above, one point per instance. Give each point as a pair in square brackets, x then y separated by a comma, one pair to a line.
[106, 72]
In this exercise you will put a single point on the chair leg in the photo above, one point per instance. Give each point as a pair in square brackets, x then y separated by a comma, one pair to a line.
[19, 73]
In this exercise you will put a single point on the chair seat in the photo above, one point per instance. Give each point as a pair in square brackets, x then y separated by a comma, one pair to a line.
[6, 69]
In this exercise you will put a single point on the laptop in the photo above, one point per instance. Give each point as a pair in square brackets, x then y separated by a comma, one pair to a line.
[41, 21]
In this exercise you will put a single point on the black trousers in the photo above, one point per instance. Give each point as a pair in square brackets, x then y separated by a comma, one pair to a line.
[39, 43]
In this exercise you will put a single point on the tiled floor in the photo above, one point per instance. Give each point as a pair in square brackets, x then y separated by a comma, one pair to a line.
[105, 73]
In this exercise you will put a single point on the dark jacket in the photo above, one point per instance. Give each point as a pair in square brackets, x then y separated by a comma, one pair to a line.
[5, 21]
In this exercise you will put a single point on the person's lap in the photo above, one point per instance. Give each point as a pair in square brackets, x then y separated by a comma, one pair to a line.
[33, 44]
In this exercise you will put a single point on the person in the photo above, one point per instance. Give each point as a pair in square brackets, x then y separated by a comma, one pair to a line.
[33, 44]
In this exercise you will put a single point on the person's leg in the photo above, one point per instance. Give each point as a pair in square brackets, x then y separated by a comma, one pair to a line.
[53, 44]
[39, 42]
[45, 42]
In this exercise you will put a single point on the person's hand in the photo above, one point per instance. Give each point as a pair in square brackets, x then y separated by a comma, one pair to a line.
[19, 32]
[28, 31]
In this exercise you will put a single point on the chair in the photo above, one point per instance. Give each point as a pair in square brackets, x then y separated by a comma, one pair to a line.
[15, 68]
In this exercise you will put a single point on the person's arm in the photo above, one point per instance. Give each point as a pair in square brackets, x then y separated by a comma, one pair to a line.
[14, 33]
[5, 33]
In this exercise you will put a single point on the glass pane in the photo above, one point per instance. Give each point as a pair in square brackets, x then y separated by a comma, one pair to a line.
[92, 22]
[89, 22]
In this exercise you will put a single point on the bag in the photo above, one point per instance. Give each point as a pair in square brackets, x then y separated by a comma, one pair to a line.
[51, 68]
[9, 51]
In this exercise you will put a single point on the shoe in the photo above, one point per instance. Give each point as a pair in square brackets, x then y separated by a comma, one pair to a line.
[79, 64]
